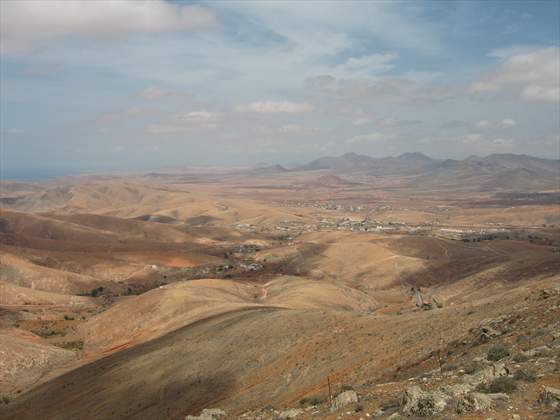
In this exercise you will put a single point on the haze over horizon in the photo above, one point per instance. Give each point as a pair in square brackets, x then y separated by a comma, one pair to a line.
[139, 84]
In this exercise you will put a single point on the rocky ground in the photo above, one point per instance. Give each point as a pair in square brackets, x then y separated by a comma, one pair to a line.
[507, 368]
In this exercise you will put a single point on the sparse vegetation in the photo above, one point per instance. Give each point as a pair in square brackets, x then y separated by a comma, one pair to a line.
[472, 368]
[97, 291]
[525, 375]
[520, 358]
[539, 333]
[71, 345]
[503, 384]
[46, 332]
[391, 404]
[498, 352]
[316, 400]
[448, 367]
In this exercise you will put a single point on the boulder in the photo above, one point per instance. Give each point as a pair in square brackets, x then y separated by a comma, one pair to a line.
[499, 397]
[470, 382]
[549, 396]
[491, 327]
[547, 293]
[437, 301]
[292, 413]
[487, 333]
[316, 274]
[486, 375]
[343, 399]
[468, 403]
[457, 390]
[416, 402]
[209, 414]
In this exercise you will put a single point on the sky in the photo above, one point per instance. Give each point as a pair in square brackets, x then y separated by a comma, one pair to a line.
[132, 84]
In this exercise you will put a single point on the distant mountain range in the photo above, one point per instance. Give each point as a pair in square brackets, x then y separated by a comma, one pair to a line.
[356, 162]
[496, 171]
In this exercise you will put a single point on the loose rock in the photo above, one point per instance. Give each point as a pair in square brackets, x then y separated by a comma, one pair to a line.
[343, 399]
[549, 396]
[475, 401]
[209, 414]
[416, 402]
[292, 413]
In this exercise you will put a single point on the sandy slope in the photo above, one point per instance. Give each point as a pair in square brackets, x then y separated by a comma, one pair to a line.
[12, 295]
[21, 272]
[24, 359]
[150, 315]
[249, 358]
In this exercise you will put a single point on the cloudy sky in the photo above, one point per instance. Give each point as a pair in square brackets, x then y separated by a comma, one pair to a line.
[143, 83]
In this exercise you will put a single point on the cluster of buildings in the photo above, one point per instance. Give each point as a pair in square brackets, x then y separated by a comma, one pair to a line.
[368, 224]
[352, 225]
[326, 205]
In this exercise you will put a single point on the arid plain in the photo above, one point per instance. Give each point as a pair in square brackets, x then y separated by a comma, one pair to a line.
[325, 291]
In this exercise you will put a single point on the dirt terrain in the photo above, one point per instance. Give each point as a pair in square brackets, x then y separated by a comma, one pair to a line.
[348, 287]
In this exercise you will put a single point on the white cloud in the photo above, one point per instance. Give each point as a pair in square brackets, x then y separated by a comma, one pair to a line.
[530, 76]
[395, 122]
[502, 142]
[28, 24]
[541, 93]
[296, 128]
[506, 52]
[119, 148]
[199, 116]
[505, 123]
[508, 122]
[272, 107]
[158, 93]
[367, 65]
[374, 137]
[358, 122]
[304, 22]
[195, 120]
